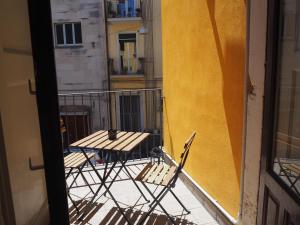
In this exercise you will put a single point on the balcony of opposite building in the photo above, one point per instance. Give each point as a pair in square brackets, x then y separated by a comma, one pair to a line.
[123, 10]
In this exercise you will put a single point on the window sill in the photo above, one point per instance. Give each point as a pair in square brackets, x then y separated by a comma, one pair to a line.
[69, 46]
[124, 19]
[127, 75]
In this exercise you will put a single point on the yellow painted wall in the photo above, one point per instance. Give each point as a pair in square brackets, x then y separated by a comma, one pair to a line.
[127, 82]
[203, 72]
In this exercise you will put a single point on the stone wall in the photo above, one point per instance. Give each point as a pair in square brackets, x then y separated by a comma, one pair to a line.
[83, 67]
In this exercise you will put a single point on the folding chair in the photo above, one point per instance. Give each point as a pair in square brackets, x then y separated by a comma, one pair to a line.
[290, 170]
[75, 162]
[165, 176]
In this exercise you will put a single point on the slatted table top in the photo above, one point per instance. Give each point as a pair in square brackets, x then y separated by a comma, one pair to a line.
[126, 141]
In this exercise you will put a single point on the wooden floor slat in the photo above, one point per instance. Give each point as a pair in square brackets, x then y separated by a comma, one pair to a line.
[92, 140]
[155, 173]
[75, 144]
[169, 176]
[136, 142]
[143, 172]
[84, 160]
[75, 157]
[70, 157]
[127, 141]
[119, 141]
[153, 167]
[77, 160]
[162, 174]
[101, 140]
[293, 167]
[108, 142]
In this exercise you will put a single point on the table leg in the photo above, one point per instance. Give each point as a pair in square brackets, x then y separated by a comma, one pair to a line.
[116, 175]
[102, 179]
[103, 185]
[128, 173]
[136, 184]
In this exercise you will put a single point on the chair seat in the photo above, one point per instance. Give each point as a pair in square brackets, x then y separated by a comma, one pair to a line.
[154, 173]
[293, 167]
[75, 160]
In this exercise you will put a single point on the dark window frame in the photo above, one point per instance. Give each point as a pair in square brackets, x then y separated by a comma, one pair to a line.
[74, 41]
[47, 103]
[131, 113]
[127, 37]
[270, 95]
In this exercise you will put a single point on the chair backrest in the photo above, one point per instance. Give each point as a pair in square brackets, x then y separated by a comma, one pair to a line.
[186, 151]
[183, 157]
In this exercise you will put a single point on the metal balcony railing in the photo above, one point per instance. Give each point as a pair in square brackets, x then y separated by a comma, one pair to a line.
[85, 112]
[131, 66]
[123, 8]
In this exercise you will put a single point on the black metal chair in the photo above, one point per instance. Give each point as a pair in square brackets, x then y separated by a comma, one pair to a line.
[75, 163]
[165, 176]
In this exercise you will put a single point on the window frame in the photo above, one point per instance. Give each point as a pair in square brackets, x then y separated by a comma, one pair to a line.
[297, 27]
[65, 44]
[142, 108]
[119, 49]
[271, 98]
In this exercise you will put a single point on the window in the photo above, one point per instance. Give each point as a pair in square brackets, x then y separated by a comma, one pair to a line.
[297, 26]
[68, 34]
[128, 53]
[286, 150]
[130, 116]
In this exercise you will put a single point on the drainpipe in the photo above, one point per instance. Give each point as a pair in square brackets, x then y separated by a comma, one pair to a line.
[246, 93]
[107, 64]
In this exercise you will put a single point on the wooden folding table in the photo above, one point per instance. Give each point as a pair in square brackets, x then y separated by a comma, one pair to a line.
[124, 143]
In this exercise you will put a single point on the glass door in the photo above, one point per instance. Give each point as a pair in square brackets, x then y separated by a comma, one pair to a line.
[279, 198]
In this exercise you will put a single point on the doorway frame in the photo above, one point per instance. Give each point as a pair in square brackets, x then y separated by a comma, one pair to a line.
[47, 103]
[267, 176]
[6, 200]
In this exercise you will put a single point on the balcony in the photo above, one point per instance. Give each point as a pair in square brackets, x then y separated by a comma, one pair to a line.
[132, 110]
[129, 67]
[123, 10]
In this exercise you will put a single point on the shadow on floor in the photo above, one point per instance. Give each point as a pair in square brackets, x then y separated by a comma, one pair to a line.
[114, 217]
[82, 206]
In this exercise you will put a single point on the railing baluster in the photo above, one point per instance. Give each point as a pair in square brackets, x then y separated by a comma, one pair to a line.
[75, 120]
[154, 108]
[91, 112]
[123, 110]
[115, 113]
[161, 115]
[146, 108]
[100, 114]
[107, 108]
[83, 119]
[130, 112]
[67, 123]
